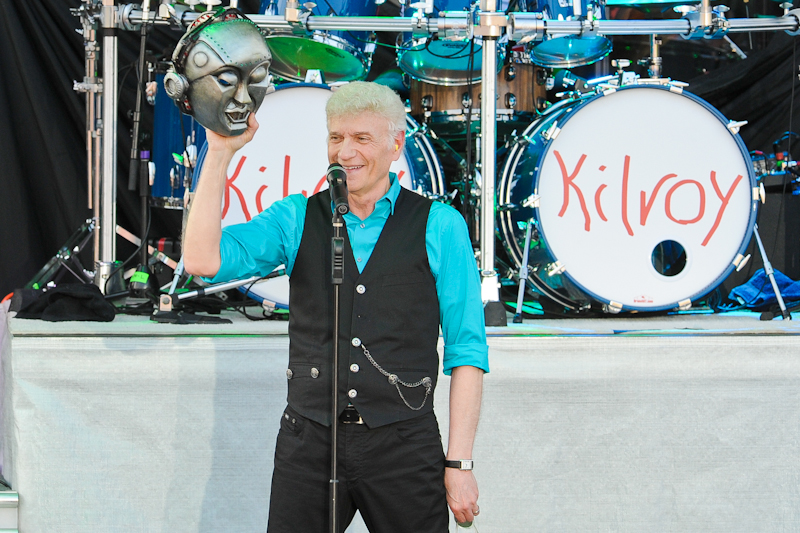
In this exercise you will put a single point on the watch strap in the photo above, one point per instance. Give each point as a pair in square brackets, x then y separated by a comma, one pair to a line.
[462, 464]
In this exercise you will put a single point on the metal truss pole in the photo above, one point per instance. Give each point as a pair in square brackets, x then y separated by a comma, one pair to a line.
[108, 180]
[490, 28]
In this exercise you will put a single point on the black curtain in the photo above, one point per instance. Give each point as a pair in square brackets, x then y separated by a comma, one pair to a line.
[43, 189]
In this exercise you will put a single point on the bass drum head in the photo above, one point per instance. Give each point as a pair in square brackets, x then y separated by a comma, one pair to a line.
[289, 155]
[645, 198]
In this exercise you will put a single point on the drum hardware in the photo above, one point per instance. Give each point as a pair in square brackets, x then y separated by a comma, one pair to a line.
[771, 275]
[740, 261]
[66, 260]
[523, 273]
[653, 63]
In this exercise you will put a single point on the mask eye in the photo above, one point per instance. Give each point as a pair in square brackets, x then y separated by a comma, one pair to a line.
[227, 79]
[258, 75]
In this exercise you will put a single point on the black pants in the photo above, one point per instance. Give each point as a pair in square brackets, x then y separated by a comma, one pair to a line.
[394, 476]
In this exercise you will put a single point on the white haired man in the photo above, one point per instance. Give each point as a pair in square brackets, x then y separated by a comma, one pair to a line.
[409, 267]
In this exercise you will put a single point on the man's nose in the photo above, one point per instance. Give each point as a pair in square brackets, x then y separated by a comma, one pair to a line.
[347, 150]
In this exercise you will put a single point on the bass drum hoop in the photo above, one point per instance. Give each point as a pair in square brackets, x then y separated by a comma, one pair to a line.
[562, 112]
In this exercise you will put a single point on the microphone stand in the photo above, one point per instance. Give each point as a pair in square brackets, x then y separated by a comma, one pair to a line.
[337, 277]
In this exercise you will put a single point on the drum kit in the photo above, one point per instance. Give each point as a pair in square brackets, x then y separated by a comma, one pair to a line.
[630, 194]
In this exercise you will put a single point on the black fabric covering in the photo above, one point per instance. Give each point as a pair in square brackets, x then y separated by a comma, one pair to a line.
[71, 301]
[43, 182]
[43, 189]
[757, 89]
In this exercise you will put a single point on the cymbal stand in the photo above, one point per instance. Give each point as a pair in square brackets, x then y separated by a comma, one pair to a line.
[770, 274]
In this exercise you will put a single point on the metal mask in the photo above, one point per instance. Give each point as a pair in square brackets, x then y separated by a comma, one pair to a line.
[220, 72]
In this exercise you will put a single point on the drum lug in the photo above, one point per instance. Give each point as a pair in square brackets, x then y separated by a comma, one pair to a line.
[684, 305]
[612, 308]
[740, 261]
[555, 268]
[734, 126]
[552, 132]
[531, 201]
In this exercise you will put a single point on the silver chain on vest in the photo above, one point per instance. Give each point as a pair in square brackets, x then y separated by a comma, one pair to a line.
[396, 381]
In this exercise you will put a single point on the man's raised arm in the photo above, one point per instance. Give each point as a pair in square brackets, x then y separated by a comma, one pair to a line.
[204, 227]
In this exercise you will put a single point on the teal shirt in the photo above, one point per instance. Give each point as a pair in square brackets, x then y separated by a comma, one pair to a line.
[272, 238]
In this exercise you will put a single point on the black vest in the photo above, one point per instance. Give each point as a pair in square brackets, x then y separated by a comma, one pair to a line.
[391, 309]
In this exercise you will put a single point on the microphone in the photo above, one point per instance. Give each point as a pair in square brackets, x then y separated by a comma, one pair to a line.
[337, 181]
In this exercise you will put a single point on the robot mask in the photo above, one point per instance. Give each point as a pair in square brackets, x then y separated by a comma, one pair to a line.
[221, 75]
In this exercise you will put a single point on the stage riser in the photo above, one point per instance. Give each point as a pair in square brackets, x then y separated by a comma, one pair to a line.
[591, 433]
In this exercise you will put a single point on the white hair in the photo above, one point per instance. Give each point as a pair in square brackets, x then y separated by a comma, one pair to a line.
[368, 97]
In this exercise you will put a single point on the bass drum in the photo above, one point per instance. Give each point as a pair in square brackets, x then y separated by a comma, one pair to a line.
[288, 155]
[641, 198]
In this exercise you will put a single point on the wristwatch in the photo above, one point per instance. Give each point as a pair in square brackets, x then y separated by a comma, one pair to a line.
[462, 464]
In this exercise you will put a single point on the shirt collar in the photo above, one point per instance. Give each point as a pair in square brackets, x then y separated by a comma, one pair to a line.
[393, 192]
[390, 196]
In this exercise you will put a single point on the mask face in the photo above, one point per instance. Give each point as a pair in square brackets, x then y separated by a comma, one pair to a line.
[227, 71]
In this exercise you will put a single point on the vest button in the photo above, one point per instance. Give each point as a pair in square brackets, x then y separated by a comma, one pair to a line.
[356, 342]
[352, 393]
[289, 373]
[360, 289]
[314, 373]
[354, 368]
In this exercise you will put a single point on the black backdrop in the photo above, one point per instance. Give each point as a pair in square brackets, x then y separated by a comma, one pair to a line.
[43, 189]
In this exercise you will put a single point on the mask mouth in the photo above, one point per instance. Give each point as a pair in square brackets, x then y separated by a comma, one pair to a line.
[237, 116]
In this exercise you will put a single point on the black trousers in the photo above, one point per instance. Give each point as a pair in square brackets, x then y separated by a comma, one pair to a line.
[393, 475]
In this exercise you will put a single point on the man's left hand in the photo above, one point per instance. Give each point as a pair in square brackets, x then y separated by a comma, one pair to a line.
[462, 494]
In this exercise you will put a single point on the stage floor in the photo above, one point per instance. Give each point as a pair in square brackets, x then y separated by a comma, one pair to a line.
[685, 422]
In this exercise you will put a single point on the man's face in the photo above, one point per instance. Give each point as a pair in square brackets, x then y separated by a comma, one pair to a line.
[363, 146]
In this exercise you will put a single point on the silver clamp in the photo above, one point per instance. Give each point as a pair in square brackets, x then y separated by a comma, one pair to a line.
[796, 14]
[297, 16]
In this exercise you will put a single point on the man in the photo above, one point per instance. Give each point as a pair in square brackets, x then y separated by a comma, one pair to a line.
[409, 265]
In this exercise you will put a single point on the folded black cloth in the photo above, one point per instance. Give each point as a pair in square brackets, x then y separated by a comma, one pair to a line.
[70, 301]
